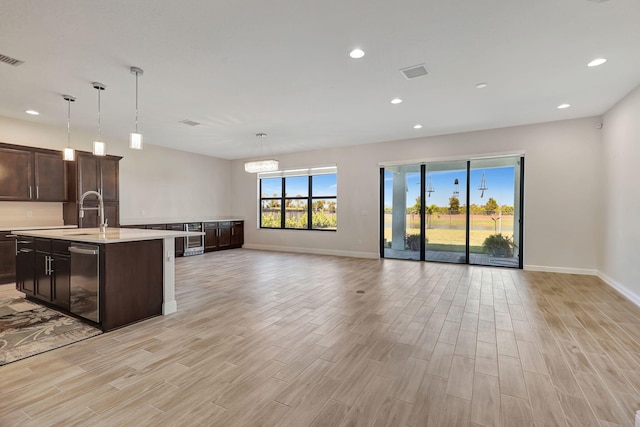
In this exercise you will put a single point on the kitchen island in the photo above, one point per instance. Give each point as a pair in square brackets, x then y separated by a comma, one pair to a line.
[134, 272]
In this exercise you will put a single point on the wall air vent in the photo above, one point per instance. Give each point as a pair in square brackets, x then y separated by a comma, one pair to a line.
[189, 122]
[414, 71]
[11, 61]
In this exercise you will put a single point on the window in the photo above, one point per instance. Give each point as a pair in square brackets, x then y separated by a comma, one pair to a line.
[303, 199]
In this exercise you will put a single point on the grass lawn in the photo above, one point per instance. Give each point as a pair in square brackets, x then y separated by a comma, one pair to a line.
[453, 239]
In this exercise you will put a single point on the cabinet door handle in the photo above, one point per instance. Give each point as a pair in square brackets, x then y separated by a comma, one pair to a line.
[37, 192]
[30, 195]
[50, 266]
[46, 265]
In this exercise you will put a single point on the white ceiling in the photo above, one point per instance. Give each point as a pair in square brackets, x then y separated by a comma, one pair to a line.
[282, 67]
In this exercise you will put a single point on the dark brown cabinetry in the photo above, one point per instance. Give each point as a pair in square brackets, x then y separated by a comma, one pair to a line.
[237, 234]
[60, 274]
[179, 240]
[25, 265]
[7, 257]
[50, 177]
[52, 272]
[98, 174]
[17, 181]
[223, 235]
[92, 173]
[130, 279]
[32, 174]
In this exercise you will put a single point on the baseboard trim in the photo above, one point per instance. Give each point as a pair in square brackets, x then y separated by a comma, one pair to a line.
[565, 270]
[631, 296]
[169, 307]
[314, 251]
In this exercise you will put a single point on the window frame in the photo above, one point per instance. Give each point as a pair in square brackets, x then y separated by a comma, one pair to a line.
[283, 198]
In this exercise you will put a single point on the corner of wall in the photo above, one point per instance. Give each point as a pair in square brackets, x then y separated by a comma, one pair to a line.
[633, 297]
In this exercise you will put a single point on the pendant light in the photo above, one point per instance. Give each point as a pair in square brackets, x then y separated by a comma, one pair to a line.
[68, 154]
[430, 188]
[135, 138]
[483, 185]
[261, 165]
[99, 147]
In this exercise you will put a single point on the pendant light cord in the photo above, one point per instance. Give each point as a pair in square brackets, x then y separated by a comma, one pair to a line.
[99, 90]
[68, 122]
[136, 102]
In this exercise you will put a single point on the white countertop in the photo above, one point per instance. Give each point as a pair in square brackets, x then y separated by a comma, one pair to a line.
[32, 227]
[175, 220]
[113, 235]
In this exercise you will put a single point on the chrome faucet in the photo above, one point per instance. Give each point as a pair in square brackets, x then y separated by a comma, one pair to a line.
[100, 209]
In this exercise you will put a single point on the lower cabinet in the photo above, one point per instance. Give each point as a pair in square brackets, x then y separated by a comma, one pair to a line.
[223, 235]
[218, 234]
[25, 266]
[237, 234]
[7, 257]
[52, 272]
[179, 240]
[61, 274]
[129, 283]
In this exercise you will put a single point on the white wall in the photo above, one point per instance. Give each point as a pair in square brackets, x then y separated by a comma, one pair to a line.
[562, 175]
[619, 257]
[166, 184]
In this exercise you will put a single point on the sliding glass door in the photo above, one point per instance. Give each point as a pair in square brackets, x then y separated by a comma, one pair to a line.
[446, 212]
[471, 211]
[494, 221]
[401, 228]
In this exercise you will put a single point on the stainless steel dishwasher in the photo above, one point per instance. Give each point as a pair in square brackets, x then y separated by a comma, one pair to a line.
[85, 281]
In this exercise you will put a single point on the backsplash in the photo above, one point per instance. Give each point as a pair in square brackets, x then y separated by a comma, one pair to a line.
[28, 214]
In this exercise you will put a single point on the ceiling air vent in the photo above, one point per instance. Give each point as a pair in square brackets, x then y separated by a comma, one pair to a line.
[189, 122]
[11, 61]
[414, 71]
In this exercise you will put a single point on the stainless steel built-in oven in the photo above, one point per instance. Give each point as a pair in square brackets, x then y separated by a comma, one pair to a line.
[193, 245]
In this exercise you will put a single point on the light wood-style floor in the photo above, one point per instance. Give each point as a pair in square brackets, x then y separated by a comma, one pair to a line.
[274, 339]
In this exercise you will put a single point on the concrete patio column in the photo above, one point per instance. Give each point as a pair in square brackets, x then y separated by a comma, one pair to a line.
[399, 211]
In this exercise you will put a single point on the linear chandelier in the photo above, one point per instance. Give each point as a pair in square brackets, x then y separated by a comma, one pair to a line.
[261, 166]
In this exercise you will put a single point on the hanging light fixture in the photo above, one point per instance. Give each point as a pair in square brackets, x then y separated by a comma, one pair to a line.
[430, 188]
[261, 165]
[483, 185]
[456, 192]
[135, 138]
[68, 154]
[99, 147]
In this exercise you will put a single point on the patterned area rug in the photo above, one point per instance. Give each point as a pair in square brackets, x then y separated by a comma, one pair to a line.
[27, 329]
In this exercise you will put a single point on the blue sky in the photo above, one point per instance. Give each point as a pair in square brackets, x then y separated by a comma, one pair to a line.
[500, 182]
[323, 185]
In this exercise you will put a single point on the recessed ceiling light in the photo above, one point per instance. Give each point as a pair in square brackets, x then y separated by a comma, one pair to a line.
[396, 101]
[32, 112]
[562, 106]
[481, 85]
[356, 53]
[417, 126]
[596, 62]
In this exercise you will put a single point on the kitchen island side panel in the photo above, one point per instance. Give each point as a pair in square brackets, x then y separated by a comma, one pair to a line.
[132, 282]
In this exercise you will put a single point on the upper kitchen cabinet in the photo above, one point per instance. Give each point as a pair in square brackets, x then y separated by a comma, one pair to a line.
[92, 173]
[50, 177]
[16, 179]
[98, 174]
[31, 174]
